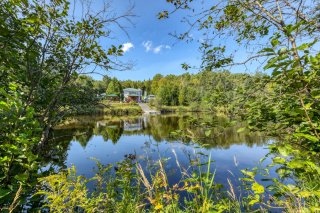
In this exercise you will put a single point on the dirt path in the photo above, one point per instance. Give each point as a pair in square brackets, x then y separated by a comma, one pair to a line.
[147, 110]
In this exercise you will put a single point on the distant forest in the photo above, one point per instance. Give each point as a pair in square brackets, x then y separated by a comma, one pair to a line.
[207, 88]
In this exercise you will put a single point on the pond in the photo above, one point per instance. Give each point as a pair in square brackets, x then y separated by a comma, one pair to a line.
[149, 138]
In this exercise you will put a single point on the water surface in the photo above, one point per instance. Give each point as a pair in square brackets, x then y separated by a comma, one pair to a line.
[150, 138]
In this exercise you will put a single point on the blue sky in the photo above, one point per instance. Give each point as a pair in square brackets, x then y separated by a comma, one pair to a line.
[148, 44]
[152, 50]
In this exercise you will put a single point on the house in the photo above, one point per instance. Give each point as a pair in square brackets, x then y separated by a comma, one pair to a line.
[132, 94]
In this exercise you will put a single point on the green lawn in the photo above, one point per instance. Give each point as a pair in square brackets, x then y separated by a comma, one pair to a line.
[113, 108]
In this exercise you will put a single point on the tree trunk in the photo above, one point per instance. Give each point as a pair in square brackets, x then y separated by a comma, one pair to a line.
[44, 136]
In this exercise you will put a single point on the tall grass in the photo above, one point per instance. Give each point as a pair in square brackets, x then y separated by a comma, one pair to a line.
[112, 108]
[125, 187]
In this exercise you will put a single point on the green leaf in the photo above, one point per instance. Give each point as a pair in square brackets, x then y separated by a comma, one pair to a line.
[307, 136]
[296, 164]
[274, 42]
[305, 194]
[247, 179]
[32, 19]
[257, 188]
[279, 160]
[21, 177]
[248, 173]
[241, 129]
[283, 151]
[267, 50]
[271, 63]
[4, 159]
[4, 192]
[252, 202]
[303, 46]
[208, 132]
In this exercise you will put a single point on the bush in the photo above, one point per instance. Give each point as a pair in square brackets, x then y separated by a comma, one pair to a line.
[19, 135]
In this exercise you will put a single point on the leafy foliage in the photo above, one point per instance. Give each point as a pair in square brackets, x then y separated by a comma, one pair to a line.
[51, 51]
[285, 34]
[19, 135]
[115, 193]
[45, 53]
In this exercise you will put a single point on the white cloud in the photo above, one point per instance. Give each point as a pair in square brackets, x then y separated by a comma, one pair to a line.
[157, 49]
[127, 46]
[149, 47]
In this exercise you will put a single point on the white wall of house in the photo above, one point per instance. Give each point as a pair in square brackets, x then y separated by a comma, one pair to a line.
[132, 92]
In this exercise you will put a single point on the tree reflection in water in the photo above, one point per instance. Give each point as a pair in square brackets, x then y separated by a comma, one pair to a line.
[169, 128]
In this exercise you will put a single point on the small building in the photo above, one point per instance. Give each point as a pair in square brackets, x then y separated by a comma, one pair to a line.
[132, 94]
[112, 97]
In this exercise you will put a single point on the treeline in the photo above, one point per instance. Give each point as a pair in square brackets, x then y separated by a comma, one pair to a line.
[110, 85]
[209, 90]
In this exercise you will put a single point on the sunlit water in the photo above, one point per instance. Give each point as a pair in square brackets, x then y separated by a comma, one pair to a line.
[151, 138]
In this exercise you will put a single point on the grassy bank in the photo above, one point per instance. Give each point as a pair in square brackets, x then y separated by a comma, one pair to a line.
[217, 111]
[176, 109]
[82, 121]
[190, 108]
[112, 108]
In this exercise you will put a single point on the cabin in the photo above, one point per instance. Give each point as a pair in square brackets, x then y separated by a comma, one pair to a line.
[112, 97]
[132, 94]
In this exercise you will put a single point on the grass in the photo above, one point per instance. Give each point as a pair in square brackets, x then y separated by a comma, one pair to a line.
[112, 108]
[218, 111]
[192, 108]
[81, 121]
[123, 109]
[129, 189]
[175, 109]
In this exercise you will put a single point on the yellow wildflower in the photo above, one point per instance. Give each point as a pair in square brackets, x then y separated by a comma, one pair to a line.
[167, 196]
[158, 206]
[197, 186]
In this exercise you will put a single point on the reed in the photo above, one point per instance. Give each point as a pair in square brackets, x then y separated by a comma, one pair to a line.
[129, 189]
